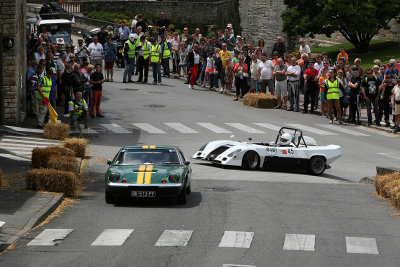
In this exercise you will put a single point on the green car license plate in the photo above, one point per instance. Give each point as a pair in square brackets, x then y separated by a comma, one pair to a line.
[143, 193]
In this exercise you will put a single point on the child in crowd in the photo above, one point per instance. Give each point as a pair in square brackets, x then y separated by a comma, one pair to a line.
[182, 55]
[209, 68]
[228, 75]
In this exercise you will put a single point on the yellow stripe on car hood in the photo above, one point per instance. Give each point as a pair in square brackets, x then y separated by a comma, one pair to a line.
[140, 175]
[147, 177]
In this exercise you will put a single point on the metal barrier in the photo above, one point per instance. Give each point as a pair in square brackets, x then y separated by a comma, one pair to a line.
[71, 6]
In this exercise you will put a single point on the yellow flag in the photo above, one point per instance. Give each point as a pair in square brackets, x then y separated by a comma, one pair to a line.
[53, 114]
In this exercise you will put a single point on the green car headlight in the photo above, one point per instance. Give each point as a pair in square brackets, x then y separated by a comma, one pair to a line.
[173, 178]
[114, 177]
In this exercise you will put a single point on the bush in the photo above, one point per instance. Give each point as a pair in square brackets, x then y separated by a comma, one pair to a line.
[58, 131]
[53, 181]
[63, 163]
[41, 156]
[260, 100]
[78, 145]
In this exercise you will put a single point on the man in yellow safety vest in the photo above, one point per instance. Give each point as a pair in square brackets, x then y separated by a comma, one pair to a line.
[78, 109]
[155, 59]
[166, 54]
[332, 88]
[143, 58]
[42, 97]
[129, 55]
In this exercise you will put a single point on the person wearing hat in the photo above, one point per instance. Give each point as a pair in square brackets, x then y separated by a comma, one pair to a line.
[166, 54]
[230, 28]
[230, 41]
[42, 97]
[78, 109]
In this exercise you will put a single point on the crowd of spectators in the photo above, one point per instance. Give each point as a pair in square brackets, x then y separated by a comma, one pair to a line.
[226, 61]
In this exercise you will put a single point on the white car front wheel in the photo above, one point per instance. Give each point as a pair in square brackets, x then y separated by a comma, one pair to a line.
[251, 160]
[316, 165]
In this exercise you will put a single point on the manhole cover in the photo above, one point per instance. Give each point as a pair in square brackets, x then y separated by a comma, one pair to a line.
[129, 89]
[159, 93]
[155, 106]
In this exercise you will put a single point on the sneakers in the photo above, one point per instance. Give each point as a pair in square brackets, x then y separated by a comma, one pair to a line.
[203, 85]
[341, 122]
[387, 124]
[154, 83]
[190, 86]
[159, 83]
[330, 121]
[277, 107]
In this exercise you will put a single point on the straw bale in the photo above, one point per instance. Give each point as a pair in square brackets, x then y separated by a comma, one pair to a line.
[391, 188]
[78, 145]
[266, 101]
[63, 163]
[40, 156]
[53, 181]
[57, 131]
[382, 180]
[395, 200]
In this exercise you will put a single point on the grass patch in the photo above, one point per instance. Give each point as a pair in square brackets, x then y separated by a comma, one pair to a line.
[378, 49]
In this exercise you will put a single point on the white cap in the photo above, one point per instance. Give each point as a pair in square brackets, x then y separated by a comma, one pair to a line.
[229, 25]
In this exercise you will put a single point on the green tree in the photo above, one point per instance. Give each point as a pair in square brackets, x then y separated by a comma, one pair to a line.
[357, 20]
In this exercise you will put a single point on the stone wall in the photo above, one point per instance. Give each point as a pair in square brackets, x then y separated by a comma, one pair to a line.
[262, 19]
[12, 86]
[206, 12]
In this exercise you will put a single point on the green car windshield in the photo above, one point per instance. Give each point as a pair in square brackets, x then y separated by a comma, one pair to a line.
[147, 156]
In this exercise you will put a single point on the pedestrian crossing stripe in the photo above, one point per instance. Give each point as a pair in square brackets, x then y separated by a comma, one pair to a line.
[180, 128]
[181, 238]
[2, 223]
[342, 129]
[112, 237]
[310, 129]
[21, 147]
[214, 128]
[244, 128]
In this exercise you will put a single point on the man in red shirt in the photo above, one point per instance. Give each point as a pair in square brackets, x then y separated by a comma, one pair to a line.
[310, 86]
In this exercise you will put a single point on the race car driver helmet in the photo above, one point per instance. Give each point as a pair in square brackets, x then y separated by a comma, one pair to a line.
[285, 139]
[133, 37]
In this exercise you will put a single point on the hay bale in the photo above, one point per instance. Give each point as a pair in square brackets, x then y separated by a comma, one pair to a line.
[391, 188]
[260, 101]
[78, 145]
[395, 200]
[40, 156]
[58, 131]
[63, 163]
[382, 180]
[53, 181]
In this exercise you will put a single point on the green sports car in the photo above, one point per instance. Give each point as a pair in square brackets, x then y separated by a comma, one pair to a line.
[148, 172]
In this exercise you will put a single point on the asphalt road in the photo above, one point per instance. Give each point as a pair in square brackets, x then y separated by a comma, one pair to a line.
[237, 217]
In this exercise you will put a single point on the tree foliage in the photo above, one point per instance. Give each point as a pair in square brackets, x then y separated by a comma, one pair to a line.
[357, 20]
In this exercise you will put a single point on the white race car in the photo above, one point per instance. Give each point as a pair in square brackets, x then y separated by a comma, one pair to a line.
[290, 151]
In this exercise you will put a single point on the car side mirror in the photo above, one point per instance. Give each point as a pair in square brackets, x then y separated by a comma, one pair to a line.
[109, 161]
[187, 163]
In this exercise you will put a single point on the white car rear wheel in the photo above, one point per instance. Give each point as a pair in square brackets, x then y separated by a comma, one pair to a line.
[317, 165]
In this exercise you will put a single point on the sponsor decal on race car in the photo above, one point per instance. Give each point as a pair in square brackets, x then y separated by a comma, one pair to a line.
[284, 152]
[271, 151]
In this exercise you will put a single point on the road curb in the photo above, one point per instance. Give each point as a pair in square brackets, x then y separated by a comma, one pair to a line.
[36, 219]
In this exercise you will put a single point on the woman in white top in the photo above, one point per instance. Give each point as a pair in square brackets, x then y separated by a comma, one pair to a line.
[304, 48]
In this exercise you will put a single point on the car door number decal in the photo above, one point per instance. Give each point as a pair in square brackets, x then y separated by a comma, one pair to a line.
[271, 151]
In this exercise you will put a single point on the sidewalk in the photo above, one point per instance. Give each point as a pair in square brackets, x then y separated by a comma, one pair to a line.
[20, 209]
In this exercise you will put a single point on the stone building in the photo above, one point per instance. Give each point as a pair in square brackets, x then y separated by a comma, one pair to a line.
[12, 61]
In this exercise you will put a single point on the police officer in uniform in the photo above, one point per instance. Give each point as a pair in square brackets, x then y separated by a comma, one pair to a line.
[129, 55]
[143, 58]
[42, 97]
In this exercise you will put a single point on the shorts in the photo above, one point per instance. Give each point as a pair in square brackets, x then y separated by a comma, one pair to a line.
[109, 65]
[322, 96]
[182, 65]
[209, 70]
[396, 109]
[263, 84]
[281, 88]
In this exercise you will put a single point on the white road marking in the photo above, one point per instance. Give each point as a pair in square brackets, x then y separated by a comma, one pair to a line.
[174, 238]
[214, 128]
[148, 128]
[362, 245]
[268, 126]
[389, 155]
[244, 128]
[371, 130]
[20, 129]
[299, 242]
[2, 223]
[20, 141]
[310, 129]
[112, 237]
[234, 239]
[342, 129]
[50, 237]
[237, 265]
[31, 139]
[115, 128]
[13, 157]
[180, 127]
